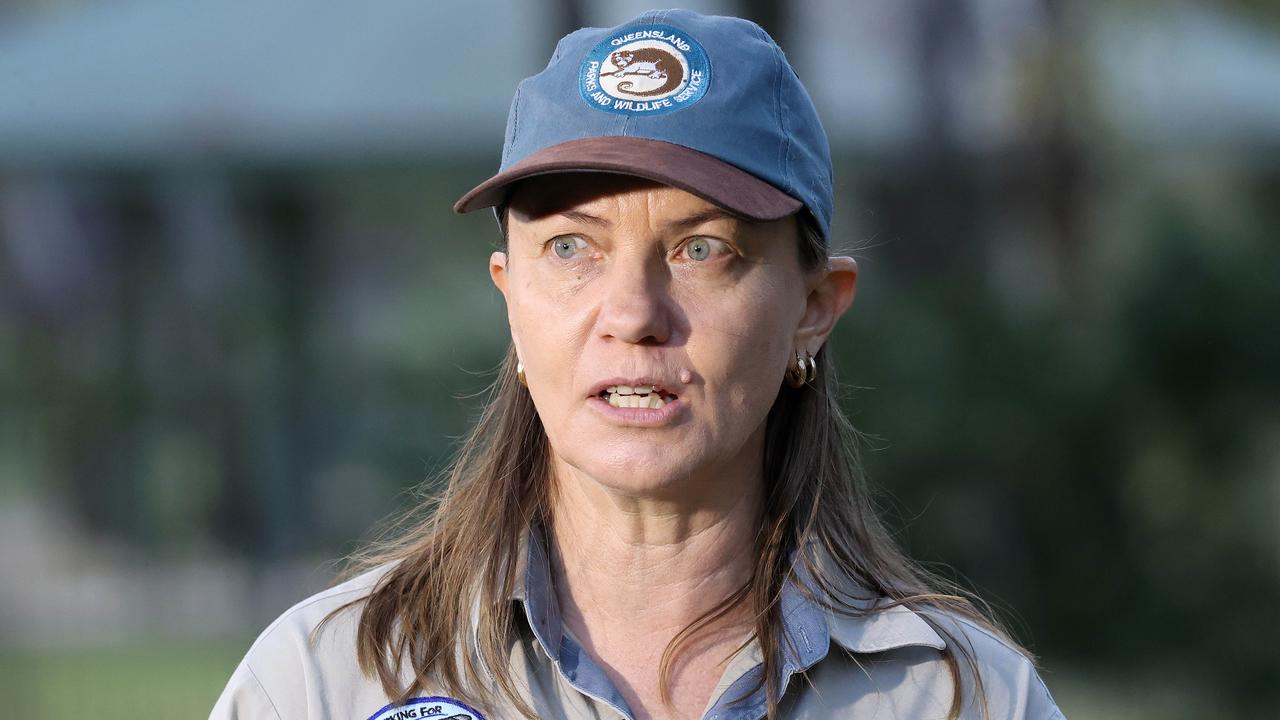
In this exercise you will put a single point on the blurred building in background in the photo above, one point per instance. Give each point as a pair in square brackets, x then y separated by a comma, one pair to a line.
[239, 323]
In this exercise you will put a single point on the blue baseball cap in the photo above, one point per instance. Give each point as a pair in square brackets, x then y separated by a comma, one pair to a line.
[706, 104]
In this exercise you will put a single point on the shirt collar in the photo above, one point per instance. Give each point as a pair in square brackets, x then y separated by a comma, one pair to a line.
[871, 624]
[808, 630]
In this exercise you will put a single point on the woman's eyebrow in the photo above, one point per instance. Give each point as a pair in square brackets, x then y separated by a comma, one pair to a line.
[588, 218]
[683, 223]
[700, 218]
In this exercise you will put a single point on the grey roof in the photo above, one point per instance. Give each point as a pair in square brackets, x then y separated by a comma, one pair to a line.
[283, 80]
[1180, 74]
[288, 79]
[1190, 74]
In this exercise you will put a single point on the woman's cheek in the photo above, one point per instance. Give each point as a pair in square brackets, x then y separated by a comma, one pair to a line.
[745, 313]
[544, 297]
[563, 280]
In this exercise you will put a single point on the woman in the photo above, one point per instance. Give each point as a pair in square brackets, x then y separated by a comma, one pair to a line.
[658, 514]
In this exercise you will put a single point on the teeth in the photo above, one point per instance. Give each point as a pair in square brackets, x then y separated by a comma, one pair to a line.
[650, 400]
[629, 390]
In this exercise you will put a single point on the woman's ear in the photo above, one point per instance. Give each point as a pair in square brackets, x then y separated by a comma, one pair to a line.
[828, 300]
[498, 271]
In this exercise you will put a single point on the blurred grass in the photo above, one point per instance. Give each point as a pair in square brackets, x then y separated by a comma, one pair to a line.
[159, 679]
[1088, 694]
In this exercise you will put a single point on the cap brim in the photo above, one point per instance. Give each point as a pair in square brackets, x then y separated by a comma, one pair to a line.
[711, 179]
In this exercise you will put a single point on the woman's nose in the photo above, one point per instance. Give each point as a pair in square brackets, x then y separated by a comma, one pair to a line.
[636, 307]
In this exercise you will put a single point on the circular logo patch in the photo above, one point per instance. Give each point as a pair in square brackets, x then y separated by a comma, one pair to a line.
[645, 70]
[428, 708]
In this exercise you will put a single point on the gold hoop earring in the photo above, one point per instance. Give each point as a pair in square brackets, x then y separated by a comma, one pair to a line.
[803, 370]
[520, 374]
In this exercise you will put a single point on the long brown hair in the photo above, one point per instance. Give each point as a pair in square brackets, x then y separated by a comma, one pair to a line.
[459, 546]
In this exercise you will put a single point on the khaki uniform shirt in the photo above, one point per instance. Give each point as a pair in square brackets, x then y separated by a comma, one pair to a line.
[880, 666]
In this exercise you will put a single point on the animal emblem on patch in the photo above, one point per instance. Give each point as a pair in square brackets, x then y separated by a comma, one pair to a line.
[651, 63]
[644, 70]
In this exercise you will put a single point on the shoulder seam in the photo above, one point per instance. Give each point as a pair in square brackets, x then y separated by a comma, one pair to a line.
[1048, 695]
[1044, 687]
[263, 688]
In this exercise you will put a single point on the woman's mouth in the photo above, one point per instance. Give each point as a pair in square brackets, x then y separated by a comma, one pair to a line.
[638, 396]
[638, 402]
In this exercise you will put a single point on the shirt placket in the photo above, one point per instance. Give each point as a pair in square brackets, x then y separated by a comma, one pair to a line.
[806, 641]
[573, 664]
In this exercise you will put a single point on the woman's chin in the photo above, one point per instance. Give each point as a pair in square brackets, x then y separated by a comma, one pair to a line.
[642, 474]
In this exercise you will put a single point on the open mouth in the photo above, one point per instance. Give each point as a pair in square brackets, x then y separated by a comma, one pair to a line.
[638, 396]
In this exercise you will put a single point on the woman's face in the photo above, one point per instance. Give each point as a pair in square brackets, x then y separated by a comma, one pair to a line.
[617, 287]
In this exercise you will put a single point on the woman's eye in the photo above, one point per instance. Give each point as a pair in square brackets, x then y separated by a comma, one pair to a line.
[700, 248]
[568, 246]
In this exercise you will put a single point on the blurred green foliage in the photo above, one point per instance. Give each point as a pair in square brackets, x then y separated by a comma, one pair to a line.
[1108, 463]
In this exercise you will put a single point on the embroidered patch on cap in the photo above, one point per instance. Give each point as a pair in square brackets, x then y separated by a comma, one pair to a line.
[645, 70]
[431, 708]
